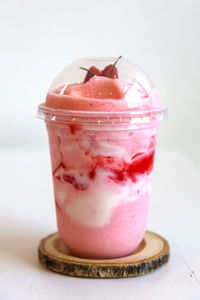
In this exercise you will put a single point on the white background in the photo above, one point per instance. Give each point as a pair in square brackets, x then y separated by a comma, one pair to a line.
[37, 39]
[40, 37]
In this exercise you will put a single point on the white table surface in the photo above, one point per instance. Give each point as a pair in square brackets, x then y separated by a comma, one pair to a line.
[27, 215]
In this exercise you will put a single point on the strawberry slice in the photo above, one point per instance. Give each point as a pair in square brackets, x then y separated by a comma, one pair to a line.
[107, 71]
[93, 70]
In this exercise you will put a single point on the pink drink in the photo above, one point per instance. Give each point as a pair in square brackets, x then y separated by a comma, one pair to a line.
[102, 153]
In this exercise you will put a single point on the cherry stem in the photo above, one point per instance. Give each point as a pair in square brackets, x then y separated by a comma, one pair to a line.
[111, 72]
[87, 71]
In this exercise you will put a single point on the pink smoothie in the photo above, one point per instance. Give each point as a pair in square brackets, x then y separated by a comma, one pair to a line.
[101, 170]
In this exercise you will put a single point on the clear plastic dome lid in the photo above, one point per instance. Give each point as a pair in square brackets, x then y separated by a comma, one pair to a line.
[103, 85]
[126, 70]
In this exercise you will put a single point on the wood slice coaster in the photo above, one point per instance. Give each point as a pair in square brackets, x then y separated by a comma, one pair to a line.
[152, 253]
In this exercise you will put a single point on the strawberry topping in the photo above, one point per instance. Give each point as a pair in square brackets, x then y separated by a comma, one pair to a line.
[107, 71]
[93, 70]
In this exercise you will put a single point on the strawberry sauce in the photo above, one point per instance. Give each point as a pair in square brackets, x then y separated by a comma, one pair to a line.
[141, 163]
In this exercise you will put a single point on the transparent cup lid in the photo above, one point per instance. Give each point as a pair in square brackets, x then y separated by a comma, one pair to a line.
[127, 71]
[105, 87]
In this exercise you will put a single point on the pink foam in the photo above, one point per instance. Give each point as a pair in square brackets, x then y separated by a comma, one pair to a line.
[98, 88]
[102, 94]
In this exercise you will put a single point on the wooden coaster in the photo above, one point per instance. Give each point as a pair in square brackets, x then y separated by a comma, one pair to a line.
[152, 253]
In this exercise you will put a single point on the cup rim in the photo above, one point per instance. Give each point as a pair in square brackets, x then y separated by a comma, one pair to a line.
[125, 117]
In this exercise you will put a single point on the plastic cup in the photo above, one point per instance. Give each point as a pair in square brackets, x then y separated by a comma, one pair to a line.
[101, 167]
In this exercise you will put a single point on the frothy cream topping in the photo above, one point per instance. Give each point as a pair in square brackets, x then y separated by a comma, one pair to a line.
[102, 94]
[99, 87]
